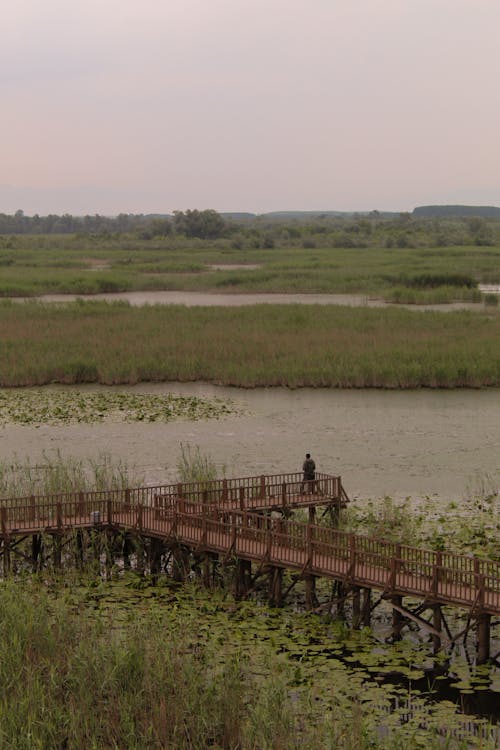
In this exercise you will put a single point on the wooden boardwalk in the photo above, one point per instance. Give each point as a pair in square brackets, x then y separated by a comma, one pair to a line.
[231, 518]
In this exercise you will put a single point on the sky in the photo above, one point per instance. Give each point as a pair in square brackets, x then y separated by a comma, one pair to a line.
[113, 106]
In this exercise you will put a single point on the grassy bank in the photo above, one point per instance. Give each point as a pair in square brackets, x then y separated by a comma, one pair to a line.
[408, 266]
[266, 345]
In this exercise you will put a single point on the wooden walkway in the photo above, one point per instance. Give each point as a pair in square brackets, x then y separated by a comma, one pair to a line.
[221, 517]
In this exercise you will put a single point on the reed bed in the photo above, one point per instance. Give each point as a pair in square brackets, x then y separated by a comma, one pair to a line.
[143, 678]
[347, 263]
[261, 345]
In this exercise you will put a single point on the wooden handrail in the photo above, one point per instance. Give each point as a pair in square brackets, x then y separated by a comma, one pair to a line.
[372, 562]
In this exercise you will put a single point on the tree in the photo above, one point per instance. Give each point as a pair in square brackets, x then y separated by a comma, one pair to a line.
[207, 224]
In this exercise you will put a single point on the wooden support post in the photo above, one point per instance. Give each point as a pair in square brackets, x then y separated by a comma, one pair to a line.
[242, 498]
[276, 586]
[283, 495]
[36, 548]
[483, 638]
[262, 487]
[96, 548]
[311, 598]
[366, 608]
[356, 608]
[140, 562]
[56, 550]
[397, 618]
[312, 514]
[341, 593]
[126, 549]
[179, 563]
[243, 578]
[110, 554]
[6, 557]
[437, 622]
[224, 491]
[155, 552]
[206, 572]
[79, 554]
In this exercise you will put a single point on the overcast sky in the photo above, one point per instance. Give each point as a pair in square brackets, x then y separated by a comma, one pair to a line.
[251, 105]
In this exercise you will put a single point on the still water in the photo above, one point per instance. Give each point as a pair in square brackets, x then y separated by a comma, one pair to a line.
[410, 443]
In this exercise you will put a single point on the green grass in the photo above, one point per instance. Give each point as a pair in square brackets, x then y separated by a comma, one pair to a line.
[110, 667]
[262, 345]
[80, 264]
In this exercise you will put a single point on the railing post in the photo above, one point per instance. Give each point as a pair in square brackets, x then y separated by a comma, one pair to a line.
[81, 503]
[233, 530]
[179, 490]
[262, 487]
[3, 517]
[139, 516]
[224, 490]
[242, 498]
[32, 508]
[110, 512]
[436, 574]
[353, 552]
[59, 515]
[283, 494]
[309, 543]
[127, 499]
[269, 536]
[395, 566]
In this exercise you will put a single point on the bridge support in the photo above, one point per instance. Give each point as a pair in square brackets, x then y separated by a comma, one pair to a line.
[483, 638]
[155, 553]
[180, 563]
[243, 578]
[276, 586]
[356, 608]
[56, 550]
[366, 607]
[311, 597]
[36, 552]
[397, 618]
[437, 622]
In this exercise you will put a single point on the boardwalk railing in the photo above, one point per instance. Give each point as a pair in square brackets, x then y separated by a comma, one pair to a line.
[247, 493]
[215, 526]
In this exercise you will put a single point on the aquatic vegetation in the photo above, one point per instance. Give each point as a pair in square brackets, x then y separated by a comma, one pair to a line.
[195, 466]
[59, 406]
[468, 525]
[114, 665]
[57, 474]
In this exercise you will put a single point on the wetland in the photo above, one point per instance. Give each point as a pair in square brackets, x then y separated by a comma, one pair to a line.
[177, 350]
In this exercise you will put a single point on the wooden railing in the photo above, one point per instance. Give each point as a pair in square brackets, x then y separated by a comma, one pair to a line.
[246, 493]
[358, 560]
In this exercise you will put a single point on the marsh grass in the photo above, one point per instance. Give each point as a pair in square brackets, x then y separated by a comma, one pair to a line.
[57, 474]
[266, 345]
[196, 466]
[145, 675]
[351, 261]
[468, 525]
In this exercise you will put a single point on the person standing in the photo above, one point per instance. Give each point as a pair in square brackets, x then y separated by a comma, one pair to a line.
[309, 474]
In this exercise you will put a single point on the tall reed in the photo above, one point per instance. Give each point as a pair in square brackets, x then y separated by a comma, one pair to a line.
[266, 345]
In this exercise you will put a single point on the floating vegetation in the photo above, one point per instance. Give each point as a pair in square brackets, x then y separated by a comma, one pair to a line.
[60, 407]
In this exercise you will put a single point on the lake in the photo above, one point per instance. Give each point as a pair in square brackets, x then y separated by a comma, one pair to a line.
[397, 443]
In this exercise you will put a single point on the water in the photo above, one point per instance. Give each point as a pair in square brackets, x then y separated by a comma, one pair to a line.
[399, 443]
[214, 299]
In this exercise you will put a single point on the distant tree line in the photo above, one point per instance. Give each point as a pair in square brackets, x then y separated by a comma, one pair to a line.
[207, 224]
[307, 230]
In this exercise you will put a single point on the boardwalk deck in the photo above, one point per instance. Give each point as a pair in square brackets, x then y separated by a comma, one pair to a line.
[226, 518]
